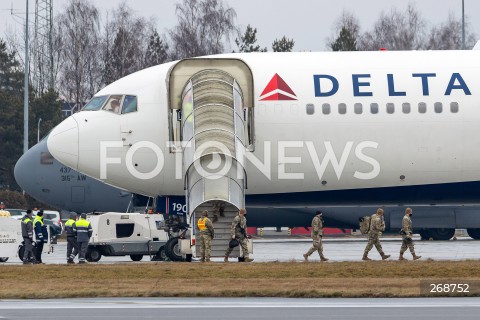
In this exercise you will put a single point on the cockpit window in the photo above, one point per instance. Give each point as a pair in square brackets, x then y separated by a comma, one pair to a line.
[116, 103]
[113, 104]
[95, 103]
[46, 158]
[129, 104]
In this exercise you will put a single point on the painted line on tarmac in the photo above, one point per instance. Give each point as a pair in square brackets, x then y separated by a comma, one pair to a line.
[131, 304]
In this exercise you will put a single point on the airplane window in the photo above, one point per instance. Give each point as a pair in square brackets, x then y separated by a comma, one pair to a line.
[374, 108]
[438, 107]
[113, 104]
[129, 104]
[422, 107]
[454, 107]
[310, 109]
[342, 108]
[358, 108]
[46, 158]
[95, 103]
[326, 108]
[406, 107]
[390, 108]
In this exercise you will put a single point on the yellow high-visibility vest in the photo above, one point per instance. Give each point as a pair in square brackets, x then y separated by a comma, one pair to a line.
[4, 213]
[38, 219]
[201, 224]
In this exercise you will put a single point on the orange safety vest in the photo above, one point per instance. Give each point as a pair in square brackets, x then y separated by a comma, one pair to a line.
[201, 224]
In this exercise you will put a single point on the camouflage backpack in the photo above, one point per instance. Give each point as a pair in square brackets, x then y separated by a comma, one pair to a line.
[365, 224]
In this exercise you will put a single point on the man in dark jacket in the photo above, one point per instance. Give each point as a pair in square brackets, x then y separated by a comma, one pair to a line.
[41, 235]
[72, 246]
[27, 234]
[83, 230]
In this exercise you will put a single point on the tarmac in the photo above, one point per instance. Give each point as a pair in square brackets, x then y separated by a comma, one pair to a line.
[241, 308]
[336, 249]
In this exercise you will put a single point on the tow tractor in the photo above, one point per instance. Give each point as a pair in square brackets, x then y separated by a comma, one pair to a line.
[122, 234]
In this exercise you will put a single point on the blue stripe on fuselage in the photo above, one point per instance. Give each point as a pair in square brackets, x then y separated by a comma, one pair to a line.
[446, 193]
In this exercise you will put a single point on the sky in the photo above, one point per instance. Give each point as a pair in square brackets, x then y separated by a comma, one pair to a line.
[308, 22]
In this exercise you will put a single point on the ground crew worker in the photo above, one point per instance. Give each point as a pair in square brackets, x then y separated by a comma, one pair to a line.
[83, 231]
[27, 234]
[72, 247]
[317, 234]
[377, 226]
[407, 232]
[3, 212]
[239, 231]
[207, 233]
[41, 235]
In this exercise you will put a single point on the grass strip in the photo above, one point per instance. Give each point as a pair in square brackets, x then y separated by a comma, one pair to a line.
[272, 279]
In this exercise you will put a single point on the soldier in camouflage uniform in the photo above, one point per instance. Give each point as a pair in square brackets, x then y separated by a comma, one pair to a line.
[407, 232]
[377, 226]
[207, 233]
[239, 232]
[317, 234]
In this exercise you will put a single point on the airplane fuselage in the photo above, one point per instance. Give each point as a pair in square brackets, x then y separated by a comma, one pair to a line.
[363, 127]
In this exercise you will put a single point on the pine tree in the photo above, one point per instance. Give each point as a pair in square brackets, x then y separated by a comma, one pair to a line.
[11, 120]
[248, 40]
[283, 45]
[345, 41]
[45, 106]
[120, 58]
[157, 51]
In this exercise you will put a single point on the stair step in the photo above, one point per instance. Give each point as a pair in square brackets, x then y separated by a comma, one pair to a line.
[222, 225]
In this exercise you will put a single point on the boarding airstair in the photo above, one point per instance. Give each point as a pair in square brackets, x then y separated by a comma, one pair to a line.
[214, 131]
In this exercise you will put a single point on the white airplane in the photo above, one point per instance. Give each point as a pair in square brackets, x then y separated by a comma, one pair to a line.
[298, 129]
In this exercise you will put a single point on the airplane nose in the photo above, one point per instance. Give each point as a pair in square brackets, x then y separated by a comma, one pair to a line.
[63, 142]
[23, 171]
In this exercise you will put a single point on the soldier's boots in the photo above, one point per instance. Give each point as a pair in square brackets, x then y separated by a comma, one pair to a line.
[415, 257]
[225, 259]
[305, 256]
[26, 262]
[248, 259]
[70, 261]
[81, 262]
[366, 258]
[401, 258]
[385, 256]
[323, 259]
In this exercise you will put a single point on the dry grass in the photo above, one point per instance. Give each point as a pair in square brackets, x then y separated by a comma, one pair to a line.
[339, 279]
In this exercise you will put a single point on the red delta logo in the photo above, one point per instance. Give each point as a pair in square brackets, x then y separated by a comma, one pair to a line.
[277, 89]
